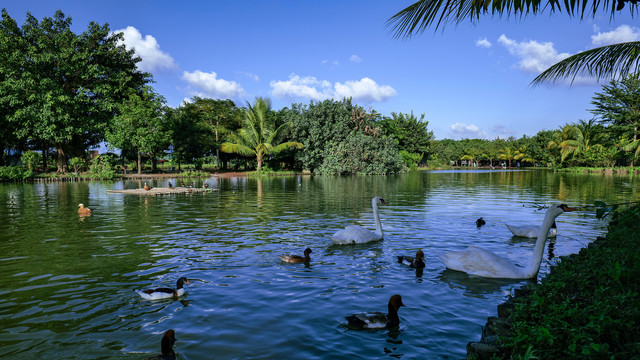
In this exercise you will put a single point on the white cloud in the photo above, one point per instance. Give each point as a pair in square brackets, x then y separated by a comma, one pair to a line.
[467, 131]
[623, 33]
[306, 87]
[364, 89]
[208, 84]
[250, 75]
[309, 87]
[483, 43]
[147, 48]
[355, 58]
[502, 131]
[534, 57]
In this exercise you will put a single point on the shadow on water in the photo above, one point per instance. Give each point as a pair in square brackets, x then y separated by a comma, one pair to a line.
[477, 286]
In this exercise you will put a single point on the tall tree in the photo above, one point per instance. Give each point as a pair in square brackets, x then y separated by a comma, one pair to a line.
[141, 126]
[411, 133]
[581, 137]
[69, 85]
[259, 134]
[607, 61]
[11, 47]
[618, 105]
[507, 154]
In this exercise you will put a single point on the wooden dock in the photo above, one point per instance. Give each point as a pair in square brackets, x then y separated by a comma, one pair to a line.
[156, 191]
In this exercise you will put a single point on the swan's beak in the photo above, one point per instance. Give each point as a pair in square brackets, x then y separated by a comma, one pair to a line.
[565, 208]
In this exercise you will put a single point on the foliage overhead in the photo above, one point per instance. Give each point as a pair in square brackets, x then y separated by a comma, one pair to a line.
[607, 61]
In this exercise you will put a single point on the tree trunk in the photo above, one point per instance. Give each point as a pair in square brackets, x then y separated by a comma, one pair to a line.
[139, 162]
[259, 158]
[44, 161]
[61, 160]
[154, 163]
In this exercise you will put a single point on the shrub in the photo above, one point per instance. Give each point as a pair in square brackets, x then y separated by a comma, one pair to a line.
[102, 167]
[362, 154]
[77, 164]
[31, 159]
[15, 173]
[410, 159]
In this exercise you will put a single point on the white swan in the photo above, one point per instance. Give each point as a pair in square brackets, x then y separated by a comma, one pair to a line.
[355, 234]
[531, 231]
[477, 261]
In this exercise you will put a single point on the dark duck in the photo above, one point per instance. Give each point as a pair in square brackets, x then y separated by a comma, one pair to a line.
[297, 258]
[166, 346]
[378, 320]
[414, 262]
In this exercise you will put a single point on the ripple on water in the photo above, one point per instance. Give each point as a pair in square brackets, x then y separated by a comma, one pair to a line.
[73, 295]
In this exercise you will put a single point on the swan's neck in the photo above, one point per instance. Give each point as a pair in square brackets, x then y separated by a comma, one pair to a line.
[376, 217]
[538, 250]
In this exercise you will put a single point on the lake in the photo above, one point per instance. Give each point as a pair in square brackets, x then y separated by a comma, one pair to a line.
[68, 281]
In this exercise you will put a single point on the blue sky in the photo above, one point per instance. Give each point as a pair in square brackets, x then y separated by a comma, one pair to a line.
[469, 80]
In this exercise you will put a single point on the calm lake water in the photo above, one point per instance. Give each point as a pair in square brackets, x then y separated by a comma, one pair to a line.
[67, 285]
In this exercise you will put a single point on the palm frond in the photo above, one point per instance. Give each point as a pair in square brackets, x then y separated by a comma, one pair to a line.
[237, 149]
[617, 60]
[417, 17]
[288, 145]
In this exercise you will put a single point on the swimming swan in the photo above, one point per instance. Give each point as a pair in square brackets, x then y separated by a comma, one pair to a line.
[531, 231]
[355, 234]
[480, 262]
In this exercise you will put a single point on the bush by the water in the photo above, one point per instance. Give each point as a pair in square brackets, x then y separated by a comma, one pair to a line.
[588, 307]
[15, 173]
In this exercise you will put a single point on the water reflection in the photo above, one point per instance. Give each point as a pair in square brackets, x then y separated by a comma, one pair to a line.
[476, 286]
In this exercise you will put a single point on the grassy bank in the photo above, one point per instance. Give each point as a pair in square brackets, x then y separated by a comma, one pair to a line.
[599, 170]
[588, 307]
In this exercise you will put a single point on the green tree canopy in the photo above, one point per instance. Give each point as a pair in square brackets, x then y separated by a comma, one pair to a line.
[68, 86]
[411, 133]
[141, 125]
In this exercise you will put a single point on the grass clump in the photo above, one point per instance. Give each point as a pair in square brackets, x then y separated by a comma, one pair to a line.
[588, 307]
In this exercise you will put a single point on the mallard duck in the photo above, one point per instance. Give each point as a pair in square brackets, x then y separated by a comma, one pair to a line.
[378, 320]
[297, 258]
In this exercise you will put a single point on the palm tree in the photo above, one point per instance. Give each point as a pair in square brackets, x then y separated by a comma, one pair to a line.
[631, 146]
[521, 155]
[608, 61]
[575, 139]
[259, 133]
[506, 154]
[586, 135]
[559, 140]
